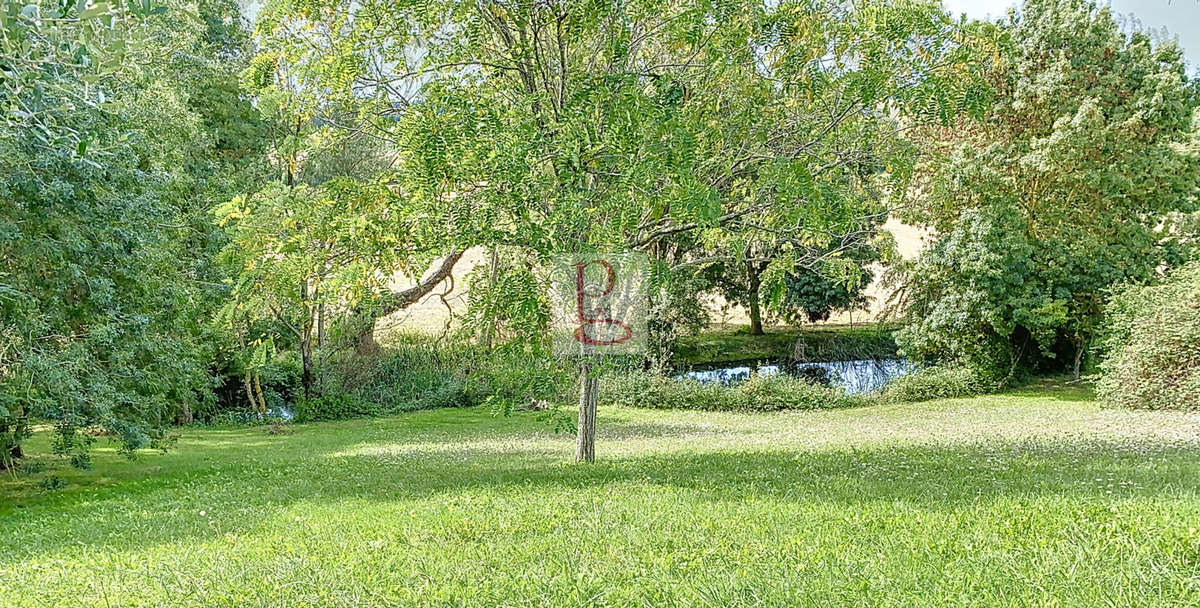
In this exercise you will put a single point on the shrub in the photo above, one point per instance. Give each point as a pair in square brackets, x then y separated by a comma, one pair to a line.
[450, 393]
[338, 406]
[1151, 345]
[514, 378]
[416, 372]
[645, 389]
[782, 392]
[412, 374]
[935, 382]
[227, 404]
[759, 393]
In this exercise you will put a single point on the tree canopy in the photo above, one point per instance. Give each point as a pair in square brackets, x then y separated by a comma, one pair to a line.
[126, 131]
[1069, 184]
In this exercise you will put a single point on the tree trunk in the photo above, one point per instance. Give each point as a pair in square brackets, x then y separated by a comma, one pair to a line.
[20, 428]
[254, 393]
[321, 326]
[399, 300]
[756, 328]
[262, 403]
[185, 416]
[1078, 360]
[589, 391]
[306, 336]
[490, 328]
[306, 375]
[321, 343]
[249, 390]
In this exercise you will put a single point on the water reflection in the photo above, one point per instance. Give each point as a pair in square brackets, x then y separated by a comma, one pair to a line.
[862, 376]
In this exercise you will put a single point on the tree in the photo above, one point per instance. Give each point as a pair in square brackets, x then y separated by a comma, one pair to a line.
[300, 255]
[1066, 186]
[568, 126]
[811, 296]
[808, 287]
[105, 281]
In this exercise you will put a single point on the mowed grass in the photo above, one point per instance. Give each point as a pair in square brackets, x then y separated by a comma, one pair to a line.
[1034, 498]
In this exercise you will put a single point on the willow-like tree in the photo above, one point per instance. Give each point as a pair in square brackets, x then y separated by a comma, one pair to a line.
[565, 126]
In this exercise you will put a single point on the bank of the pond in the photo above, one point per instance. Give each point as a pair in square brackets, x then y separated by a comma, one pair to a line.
[824, 343]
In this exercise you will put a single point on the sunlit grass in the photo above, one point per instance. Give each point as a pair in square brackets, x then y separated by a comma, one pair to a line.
[1033, 498]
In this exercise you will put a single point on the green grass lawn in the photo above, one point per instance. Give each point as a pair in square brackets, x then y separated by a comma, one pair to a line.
[1034, 498]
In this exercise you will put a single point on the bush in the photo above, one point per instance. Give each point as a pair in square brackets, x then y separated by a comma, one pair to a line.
[1151, 345]
[935, 382]
[450, 393]
[781, 392]
[416, 372]
[515, 378]
[334, 407]
[759, 393]
[409, 375]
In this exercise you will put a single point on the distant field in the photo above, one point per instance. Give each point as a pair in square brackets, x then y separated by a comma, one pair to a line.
[431, 314]
[1033, 498]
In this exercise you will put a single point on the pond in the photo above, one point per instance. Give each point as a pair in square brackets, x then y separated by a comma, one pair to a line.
[862, 376]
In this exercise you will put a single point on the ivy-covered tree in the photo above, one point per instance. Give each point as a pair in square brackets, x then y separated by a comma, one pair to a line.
[1067, 186]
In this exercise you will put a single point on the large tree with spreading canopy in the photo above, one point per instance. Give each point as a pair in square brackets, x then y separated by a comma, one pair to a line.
[561, 126]
[120, 128]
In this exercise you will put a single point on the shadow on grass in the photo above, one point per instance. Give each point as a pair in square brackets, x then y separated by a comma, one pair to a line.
[1056, 388]
[931, 477]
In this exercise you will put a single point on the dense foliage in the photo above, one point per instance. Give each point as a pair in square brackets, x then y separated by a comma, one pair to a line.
[1069, 184]
[1151, 344]
[935, 382]
[127, 132]
[555, 126]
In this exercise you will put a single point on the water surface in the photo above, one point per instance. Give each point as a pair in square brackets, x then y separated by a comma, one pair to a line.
[861, 376]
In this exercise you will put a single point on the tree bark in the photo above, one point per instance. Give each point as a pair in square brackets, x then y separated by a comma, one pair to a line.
[249, 390]
[20, 426]
[493, 269]
[756, 328]
[262, 403]
[306, 375]
[399, 300]
[256, 400]
[589, 391]
[1078, 360]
